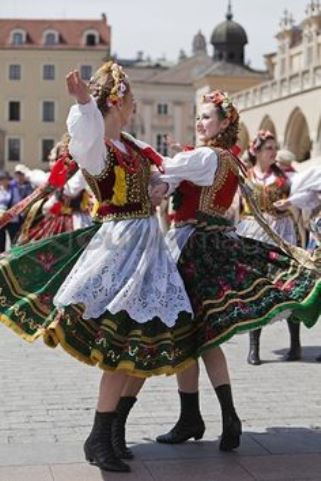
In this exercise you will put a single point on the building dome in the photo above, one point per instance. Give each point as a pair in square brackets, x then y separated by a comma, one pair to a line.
[229, 39]
[199, 43]
[229, 32]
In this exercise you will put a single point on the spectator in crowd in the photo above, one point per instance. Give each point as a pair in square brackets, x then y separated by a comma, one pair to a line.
[9, 196]
[21, 175]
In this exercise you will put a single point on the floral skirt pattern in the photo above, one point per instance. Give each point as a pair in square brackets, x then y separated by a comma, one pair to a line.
[237, 284]
[30, 276]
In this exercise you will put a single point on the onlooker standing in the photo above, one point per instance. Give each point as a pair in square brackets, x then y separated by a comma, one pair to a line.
[9, 196]
[25, 188]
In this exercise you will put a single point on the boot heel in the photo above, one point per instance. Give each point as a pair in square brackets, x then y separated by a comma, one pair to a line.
[199, 435]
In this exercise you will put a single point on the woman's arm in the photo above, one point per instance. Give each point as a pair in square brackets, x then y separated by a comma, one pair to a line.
[305, 190]
[197, 166]
[75, 184]
[86, 128]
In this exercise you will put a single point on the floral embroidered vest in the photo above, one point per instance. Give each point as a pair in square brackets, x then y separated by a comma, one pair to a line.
[266, 195]
[122, 191]
[214, 200]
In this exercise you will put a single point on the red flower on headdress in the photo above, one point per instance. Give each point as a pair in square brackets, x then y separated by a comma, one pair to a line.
[217, 97]
[280, 181]
[222, 100]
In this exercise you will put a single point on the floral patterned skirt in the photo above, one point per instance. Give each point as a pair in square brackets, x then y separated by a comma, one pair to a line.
[30, 277]
[236, 284]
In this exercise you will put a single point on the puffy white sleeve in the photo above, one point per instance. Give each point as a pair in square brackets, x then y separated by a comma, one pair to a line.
[306, 188]
[87, 130]
[197, 166]
[75, 184]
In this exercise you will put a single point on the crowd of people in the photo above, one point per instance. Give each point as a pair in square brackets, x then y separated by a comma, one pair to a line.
[112, 290]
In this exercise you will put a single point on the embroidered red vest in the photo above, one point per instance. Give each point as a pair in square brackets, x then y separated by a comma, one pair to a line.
[213, 200]
[122, 193]
[266, 195]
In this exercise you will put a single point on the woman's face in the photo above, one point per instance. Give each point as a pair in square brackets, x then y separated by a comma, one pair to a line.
[209, 124]
[268, 152]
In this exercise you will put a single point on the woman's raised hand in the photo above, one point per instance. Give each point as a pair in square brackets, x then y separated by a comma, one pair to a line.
[77, 87]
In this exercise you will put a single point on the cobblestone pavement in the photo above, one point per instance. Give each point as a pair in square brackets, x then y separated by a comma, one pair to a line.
[47, 402]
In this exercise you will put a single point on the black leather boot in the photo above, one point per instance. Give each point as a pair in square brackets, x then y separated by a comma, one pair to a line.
[232, 427]
[98, 446]
[294, 353]
[190, 423]
[118, 427]
[254, 352]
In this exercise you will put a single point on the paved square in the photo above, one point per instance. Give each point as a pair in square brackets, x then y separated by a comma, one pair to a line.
[47, 402]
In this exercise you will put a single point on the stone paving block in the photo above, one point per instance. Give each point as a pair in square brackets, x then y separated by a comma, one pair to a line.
[291, 440]
[47, 403]
[37, 453]
[85, 472]
[198, 470]
[26, 473]
[283, 467]
[195, 449]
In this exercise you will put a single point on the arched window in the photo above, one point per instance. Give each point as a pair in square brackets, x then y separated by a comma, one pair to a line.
[297, 136]
[18, 37]
[91, 38]
[50, 37]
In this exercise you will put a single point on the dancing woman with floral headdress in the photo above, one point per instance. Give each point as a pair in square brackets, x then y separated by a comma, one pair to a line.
[109, 294]
[235, 284]
[271, 187]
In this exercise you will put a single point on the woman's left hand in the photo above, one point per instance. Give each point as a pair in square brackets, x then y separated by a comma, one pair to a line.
[283, 204]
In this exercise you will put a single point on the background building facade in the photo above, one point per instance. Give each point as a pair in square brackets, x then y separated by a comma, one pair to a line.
[289, 104]
[168, 97]
[35, 56]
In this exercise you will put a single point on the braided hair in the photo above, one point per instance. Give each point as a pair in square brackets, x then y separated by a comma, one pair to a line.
[108, 85]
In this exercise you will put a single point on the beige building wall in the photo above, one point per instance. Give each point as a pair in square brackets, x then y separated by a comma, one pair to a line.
[179, 120]
[28, 45]
[31, 91]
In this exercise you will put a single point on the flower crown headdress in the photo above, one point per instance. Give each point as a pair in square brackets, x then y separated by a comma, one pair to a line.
[261, 137]
[222, 101]
[118, 89]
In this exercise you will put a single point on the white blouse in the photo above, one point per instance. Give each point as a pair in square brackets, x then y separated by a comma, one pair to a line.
[198, 166]
[86, 127]
[306, 188]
